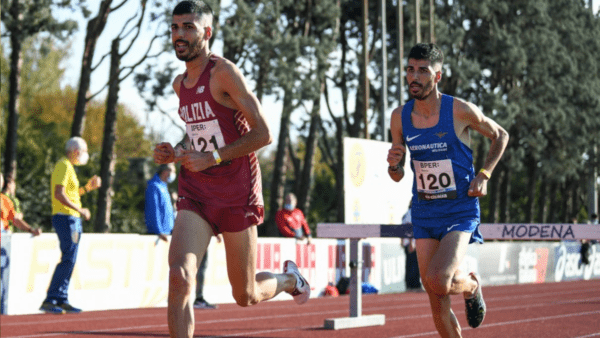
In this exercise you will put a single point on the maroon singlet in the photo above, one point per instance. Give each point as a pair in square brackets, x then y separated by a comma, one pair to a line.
[210, 125]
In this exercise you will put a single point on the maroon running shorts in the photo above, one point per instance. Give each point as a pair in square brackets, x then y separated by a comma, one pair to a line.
[224, 219]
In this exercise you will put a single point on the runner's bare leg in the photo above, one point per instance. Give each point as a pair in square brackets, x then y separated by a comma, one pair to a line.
[248, 287]
[191, 236]
[442, 278]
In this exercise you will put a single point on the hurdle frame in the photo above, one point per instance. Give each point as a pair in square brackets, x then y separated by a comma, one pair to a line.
[500, 231]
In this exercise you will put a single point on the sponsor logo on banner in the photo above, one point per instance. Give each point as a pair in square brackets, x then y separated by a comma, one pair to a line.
[533, 263]
[569, 266]
[547, 231]
[268, 257]
[393, 266]
[5, 264]
[357, 165]
[336, 267]
[501, 263]
[368, 262]
[306, 260]
[356, 207]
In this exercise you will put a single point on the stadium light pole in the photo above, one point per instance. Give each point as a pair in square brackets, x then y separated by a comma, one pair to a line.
[418, 21]
[364, 70]
[593, 183]
[400, 52]
[384, 78]
[431, 22]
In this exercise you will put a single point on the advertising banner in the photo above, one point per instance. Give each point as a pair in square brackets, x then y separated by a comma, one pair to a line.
[568, 265]
[393, 268]
[4, 271]
[370, 194]
[499, 263]
[118, 271]
[534, 262]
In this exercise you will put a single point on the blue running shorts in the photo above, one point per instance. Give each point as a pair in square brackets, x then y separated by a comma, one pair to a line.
[466, 225]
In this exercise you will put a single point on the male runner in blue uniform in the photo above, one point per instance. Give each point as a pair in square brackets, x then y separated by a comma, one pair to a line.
[445, 206]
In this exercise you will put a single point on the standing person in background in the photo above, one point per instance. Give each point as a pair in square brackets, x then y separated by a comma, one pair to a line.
[220, 182]
[8, 213]
[158, 211]
[200, 302]
[412, 278]
[9, 190]
[445, 206]
[66, 220]
[586, 244]
[290, 220]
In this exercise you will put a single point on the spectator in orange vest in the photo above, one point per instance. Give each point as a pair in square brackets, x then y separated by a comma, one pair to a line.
[7, 213]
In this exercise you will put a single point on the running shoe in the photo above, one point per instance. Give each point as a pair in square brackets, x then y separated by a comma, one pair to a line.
[202, 304]
[68, 308]
[51, 307]
[301, 293]
[475, 306]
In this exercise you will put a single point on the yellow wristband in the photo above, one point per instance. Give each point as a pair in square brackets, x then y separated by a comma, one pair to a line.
[217, 157]
[486, 173]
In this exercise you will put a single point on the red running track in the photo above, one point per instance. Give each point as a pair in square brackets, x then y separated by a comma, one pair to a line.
[567, 309]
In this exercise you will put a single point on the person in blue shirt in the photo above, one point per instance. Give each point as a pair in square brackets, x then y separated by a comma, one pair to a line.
[445, 207]
[159, 207]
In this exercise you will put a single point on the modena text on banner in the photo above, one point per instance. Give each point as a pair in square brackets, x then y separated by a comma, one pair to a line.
[540, 231]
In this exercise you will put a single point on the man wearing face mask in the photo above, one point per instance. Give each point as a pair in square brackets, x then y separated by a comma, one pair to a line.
[159, 207]
[291, 221]
[66, 220]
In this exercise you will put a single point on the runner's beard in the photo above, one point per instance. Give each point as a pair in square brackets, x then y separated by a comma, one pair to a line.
[193, 51]
[426, 90]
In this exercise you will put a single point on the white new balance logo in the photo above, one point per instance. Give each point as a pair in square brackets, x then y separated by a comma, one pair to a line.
[200, 90]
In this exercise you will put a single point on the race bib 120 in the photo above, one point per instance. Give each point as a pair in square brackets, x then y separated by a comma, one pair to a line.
[435, 179]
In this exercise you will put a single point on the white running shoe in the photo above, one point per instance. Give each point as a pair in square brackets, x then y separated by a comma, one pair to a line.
[301, 293]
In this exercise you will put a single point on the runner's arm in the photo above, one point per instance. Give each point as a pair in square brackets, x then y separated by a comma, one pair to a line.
[231, 80]
[488, 128]
[396, 154]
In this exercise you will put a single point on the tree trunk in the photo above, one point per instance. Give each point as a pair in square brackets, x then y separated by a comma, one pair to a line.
[279, 168]
[574, 199]
[94, 28]
[10, 157]
[493, 193]
[309, 156]
[552, 214]
[505, 196]
[339, 173]
[543, 198]
[532, 179]
[107, 160]
[565, 196]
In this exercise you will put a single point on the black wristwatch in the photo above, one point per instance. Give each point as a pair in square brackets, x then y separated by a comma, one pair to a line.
[394, 168]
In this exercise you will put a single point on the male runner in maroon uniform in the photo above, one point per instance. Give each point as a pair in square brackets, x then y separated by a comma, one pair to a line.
[219, 184]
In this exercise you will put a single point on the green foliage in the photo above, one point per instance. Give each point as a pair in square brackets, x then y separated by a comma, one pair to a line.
[46, 113]
[528, 65]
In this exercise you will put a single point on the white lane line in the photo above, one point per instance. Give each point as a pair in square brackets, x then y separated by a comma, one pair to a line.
[590, 335]
[512, 322]
[328, 313]
[366, 307]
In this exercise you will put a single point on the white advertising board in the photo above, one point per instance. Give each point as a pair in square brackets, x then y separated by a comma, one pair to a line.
[371, 196]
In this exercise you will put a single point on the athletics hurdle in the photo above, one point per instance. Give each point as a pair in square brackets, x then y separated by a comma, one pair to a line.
[355, 232]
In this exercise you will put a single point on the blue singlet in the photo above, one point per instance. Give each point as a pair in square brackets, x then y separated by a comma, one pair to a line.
[443, 169]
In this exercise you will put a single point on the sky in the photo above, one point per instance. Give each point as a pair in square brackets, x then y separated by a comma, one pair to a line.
[128, 94]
